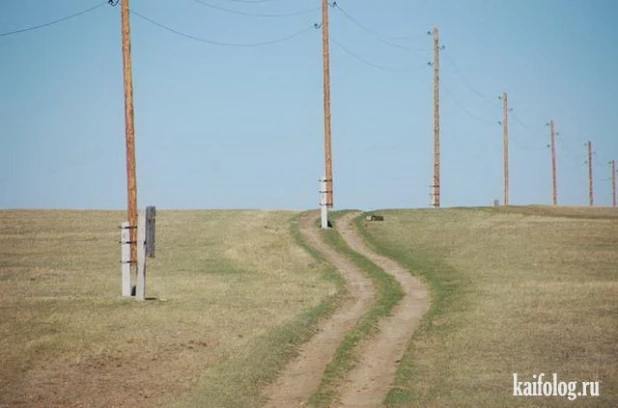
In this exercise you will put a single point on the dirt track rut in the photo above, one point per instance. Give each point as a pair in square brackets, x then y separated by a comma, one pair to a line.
[302, 376]
[373, 376]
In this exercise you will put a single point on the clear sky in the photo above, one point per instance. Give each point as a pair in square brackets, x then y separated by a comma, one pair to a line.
[220, 126]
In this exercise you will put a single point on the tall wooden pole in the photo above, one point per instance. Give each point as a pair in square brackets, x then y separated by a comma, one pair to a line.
[129, 129]
[553, 164]
[505, 136]
[590, 182]
[436, 117]
[614, 183]
[327, 126]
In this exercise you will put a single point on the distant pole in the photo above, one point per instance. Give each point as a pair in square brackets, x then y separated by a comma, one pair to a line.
[505, 136]
[129, 129]
[553, 164]
[327, 126]
[436, 117]
[590, 182]
[614, 182]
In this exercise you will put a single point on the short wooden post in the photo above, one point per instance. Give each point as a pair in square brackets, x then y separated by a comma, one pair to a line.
[140, 290]
[151, 213]
[125, 258]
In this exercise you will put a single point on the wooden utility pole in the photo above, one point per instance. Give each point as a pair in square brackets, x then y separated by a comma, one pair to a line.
[505, 136]
[436, 117]
[327, 126]
[590, 182]
[553, 164]
[614, 183]
[129, 129]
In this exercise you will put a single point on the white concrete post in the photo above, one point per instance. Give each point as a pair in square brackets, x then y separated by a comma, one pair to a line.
[125, 258]
[140, 290]
[323, 206]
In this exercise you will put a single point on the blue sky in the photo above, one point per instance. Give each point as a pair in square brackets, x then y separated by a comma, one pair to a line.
[242, 127]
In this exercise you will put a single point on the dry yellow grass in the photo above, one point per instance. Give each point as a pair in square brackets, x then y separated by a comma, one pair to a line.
[223, 280]
[522, 290]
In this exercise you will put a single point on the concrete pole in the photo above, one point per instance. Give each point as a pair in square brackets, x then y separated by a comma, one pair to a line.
[323, 203]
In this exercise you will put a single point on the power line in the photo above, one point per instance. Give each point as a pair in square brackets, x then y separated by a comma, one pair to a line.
[477, 93]
[60, 20]
[371, 64]
[467, 83]
[520, 122]
[525, 146]
[374, 33]
[245, 13]
[514, 115]
[472, 115]
[251, 1]
[579, 165]
[567, 149]
[227, 44]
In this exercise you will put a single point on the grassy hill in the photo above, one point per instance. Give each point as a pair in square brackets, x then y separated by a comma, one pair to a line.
[522, 290]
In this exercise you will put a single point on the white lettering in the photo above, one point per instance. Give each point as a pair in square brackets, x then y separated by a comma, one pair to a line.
[537, 387]
[594, 389]
[516, 386]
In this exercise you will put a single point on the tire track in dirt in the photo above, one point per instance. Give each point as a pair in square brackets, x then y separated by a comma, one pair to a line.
[371, 379]
[302, 375]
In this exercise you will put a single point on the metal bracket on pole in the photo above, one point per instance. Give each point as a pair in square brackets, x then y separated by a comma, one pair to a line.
[323, 203]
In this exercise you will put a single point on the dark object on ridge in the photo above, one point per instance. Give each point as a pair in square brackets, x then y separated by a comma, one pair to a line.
[374, 217]
[151, 214]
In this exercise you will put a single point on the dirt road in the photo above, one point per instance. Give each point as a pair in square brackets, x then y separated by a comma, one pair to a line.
[372, 377]
[302, 376]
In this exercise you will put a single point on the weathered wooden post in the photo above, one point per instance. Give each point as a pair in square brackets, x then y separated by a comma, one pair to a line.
[125, 258]
[140, 290]
[151, 213]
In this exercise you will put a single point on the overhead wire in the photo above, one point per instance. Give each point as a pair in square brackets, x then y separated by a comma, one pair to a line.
[250, 14]
[514, 116]
[50, 23]
[525, 146]
[467, 83]
[573, 166]
[466, 110]
[220, 43]
[372, 32]
[376, 66]
[251, 1]
[457, 71]
[565, 147]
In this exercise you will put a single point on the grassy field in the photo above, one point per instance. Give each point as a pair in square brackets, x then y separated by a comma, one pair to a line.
[234, 295]
[522, 290]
